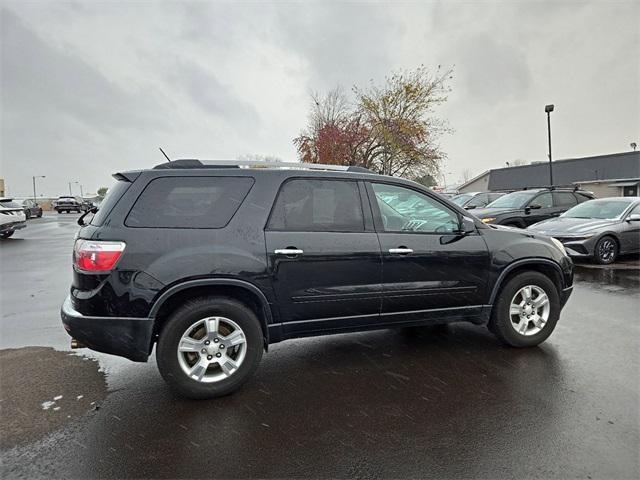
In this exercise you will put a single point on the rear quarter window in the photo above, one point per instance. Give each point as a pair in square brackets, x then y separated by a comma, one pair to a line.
[189, 202]
[113, 195]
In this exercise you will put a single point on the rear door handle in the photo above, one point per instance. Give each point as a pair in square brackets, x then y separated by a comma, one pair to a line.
[400, 250]
[288, 251]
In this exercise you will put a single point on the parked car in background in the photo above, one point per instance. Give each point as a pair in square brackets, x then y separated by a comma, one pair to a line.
[472, 200]
[253, 256]
[66, 204]
[31, 208]
[598, 229]
[526, 207]
[12, 217]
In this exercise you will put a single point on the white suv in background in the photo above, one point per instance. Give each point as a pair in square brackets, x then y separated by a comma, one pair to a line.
[12, 217]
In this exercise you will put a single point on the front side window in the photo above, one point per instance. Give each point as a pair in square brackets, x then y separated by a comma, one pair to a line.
[310, 205]
[188, 202]
[405, 210]
[544, 200]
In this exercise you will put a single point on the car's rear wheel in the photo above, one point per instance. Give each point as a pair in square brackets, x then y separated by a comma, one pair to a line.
[606, 250]
[526, 310]
[209, 347]
[27, 216]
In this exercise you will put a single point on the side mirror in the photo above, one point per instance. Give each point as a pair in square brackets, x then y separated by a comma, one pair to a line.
[467, 225]
[469, 207]
[535, 206]
[634, 217]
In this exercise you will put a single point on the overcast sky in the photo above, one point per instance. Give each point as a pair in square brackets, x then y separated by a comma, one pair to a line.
[91, 88]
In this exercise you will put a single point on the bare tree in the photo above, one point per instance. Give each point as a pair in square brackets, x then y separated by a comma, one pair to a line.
[256, 157]
[466, 175]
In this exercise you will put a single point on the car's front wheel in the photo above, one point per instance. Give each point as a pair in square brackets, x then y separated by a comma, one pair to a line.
[526, 310]
[209, 347]
[6, 234]
[606, 250]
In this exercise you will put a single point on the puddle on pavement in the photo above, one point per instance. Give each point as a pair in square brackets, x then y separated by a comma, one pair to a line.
[609, 277]
[42, 389]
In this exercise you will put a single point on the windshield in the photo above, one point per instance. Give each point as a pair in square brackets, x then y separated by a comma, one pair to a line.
[461, 199]
[512, 200]
[601, 209]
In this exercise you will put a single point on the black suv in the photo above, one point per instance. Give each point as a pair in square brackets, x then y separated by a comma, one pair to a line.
[213, 262]
[526, 207]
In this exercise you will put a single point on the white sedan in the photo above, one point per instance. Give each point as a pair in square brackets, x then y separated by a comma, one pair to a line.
[12, 217]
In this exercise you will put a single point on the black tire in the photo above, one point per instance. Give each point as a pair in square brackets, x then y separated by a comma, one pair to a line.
[39, 214]
[26, 215]
[606, 250]
[6, 234]
[501, 324]
[185, 316]
[59, 211]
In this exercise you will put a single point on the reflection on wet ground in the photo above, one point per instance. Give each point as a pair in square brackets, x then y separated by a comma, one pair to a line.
[623, 278]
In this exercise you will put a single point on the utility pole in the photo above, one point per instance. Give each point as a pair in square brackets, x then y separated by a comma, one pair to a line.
[70, 194]
[549, 109]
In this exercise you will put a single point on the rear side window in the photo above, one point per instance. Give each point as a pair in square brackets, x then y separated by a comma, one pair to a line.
[189, 202]
[307, 205]
[564, 199]
[113, 195]
[582, 197]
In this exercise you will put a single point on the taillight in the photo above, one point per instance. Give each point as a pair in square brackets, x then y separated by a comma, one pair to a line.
[95, 255]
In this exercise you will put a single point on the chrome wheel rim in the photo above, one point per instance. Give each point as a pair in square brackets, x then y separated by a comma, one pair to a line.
[212, 349]
[606, 250]
[529, 310]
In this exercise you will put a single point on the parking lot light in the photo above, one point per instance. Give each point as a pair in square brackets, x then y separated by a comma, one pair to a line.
[34, 185]
[549, 109]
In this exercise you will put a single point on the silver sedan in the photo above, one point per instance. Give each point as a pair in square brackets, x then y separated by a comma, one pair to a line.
[598, 229]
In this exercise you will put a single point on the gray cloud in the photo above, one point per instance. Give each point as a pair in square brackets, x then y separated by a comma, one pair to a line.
[91, 88]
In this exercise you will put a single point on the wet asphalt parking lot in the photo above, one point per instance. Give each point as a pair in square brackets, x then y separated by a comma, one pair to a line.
[442, 402]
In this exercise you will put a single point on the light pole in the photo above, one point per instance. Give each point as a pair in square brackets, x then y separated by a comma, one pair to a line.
[549, 109]
[34, 185]
[76, 183]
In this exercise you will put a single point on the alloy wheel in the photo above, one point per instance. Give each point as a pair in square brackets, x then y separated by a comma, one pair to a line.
[529, 310]
[212, 349]
[607, 250]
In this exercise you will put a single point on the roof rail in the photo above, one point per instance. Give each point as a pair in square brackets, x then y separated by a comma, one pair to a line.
[551, 187]
[195, 163]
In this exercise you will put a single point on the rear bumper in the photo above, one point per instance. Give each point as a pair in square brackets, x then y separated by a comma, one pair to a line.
[122, 336]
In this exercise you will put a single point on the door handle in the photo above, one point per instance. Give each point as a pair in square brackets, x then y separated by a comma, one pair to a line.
[288, 251]
[400, 250]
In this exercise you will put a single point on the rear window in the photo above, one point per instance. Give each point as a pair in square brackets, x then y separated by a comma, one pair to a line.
[583, 197]
[113, 195]
[9, 204]
[189, 202]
